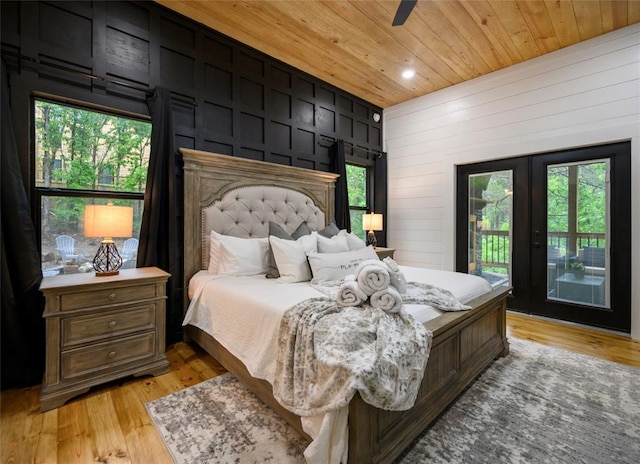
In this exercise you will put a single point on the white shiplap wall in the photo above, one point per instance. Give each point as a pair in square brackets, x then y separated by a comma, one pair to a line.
[582, 95]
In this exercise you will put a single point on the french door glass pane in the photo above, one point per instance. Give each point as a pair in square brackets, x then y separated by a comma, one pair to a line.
[577, 233]
[490, 223]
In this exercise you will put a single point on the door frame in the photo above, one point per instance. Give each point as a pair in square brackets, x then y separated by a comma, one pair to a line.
[529, 285]
[618, 316]
[519, 297]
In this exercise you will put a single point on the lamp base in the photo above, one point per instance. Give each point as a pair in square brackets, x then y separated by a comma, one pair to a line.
[107, 260]
[371, 239]
[106, 274]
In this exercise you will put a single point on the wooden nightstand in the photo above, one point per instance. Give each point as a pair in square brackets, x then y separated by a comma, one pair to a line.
[384, 252]
[100, 329]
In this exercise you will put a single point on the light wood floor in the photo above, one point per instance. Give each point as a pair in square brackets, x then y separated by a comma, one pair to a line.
[110, 423]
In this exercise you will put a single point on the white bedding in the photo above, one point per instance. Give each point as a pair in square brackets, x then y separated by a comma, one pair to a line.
[244, 313]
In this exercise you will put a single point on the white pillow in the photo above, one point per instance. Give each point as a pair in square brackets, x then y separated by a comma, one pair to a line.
[214, 251]
[291, 257]
[354, 242]
[336, 266]
[335, 244]
[242, 256]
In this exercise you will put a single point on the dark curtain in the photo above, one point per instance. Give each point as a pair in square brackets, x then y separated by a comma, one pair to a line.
[23, 328]
[380, 197]
[160, 231]
[338, 166]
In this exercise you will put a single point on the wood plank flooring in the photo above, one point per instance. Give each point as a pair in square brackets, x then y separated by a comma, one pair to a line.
[110, 424]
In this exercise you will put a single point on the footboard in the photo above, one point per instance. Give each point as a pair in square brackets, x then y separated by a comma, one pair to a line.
[464, 344]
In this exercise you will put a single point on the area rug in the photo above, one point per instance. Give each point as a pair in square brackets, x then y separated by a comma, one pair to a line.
[537, 405]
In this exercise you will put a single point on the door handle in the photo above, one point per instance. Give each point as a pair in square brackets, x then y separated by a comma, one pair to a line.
[536, 244]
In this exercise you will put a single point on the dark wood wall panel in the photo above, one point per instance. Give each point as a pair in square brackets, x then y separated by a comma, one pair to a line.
[227, 97]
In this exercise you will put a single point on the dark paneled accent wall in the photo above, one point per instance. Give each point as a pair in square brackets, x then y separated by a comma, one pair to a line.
[227, 97]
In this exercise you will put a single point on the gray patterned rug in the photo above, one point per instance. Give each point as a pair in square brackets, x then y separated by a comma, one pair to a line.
[538, 405]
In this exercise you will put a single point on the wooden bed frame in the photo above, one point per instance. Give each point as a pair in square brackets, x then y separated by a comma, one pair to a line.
[464, 343]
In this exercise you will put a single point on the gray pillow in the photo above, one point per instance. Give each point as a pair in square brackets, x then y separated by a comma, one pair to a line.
[277, 231]
[330, 230]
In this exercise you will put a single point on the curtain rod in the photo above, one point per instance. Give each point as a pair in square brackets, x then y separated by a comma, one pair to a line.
[146, 90]
[331, 141]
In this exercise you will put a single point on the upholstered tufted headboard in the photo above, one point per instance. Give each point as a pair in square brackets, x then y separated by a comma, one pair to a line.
[237, 196]
[246, 212]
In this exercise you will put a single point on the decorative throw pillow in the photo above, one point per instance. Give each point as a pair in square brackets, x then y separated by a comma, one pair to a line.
[335, 244]
[253, 250]
[336, 266]
[354, 242]
[291, 257]
[277, 231]
[330, 230]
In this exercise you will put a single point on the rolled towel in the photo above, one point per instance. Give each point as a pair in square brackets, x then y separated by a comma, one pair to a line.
[389, 300]
[397, 277]
[350, 294]
[372, 276]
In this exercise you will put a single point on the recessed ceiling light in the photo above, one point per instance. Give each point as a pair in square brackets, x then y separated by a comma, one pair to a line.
[408, 73]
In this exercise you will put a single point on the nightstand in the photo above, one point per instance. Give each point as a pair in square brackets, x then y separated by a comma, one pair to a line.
[384, 252]
[100, 329]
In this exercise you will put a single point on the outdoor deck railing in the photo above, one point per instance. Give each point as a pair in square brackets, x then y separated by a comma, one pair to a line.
[495, 245]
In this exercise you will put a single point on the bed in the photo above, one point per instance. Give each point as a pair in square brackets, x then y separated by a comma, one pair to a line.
[464, 343]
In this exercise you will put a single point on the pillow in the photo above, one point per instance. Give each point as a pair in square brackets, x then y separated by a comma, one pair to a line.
[253, 254]
[244, 256]
[336, 266]
[335, 244]
[355, 242]
[330, 230]
[277, 231]
[291, 257]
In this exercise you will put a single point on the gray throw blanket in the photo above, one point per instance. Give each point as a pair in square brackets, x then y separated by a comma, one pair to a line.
[327, 352]
[416, 293]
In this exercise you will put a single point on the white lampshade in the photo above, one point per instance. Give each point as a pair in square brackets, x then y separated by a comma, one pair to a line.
[108, 221]
[372, 221]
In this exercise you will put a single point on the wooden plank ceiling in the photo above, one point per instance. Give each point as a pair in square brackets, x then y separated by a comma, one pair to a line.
[352, 45]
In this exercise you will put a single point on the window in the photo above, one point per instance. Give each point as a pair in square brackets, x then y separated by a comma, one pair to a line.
[85, 157]
[359, 204]
[106, 176]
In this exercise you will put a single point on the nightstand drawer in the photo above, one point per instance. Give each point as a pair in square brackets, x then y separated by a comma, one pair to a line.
[109, 296]
[83, 329]
[105, 355]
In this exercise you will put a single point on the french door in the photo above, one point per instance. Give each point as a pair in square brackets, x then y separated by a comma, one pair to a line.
[556, 228]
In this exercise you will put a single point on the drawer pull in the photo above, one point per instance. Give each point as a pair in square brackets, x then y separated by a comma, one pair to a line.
[112, 324]
[112, 354]
[112, 296]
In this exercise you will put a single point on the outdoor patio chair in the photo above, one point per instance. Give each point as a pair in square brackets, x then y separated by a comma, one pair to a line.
[66, 247]
[129, 249]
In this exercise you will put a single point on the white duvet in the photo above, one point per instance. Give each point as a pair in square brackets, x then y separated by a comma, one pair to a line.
[244, 313]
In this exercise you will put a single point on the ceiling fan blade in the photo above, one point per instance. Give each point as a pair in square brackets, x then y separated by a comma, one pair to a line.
[404, 10]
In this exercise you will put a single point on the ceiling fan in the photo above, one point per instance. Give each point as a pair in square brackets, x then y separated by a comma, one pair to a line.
[404, 10]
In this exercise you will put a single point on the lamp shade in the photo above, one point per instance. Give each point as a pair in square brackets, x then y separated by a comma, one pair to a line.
[372, 221]
[108, 221]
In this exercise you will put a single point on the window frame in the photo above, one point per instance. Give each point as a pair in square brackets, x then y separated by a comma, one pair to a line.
[369, 166]
[39, 192]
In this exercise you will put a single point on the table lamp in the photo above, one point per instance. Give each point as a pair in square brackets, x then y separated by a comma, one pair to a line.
[371, 222]
[106, 222]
